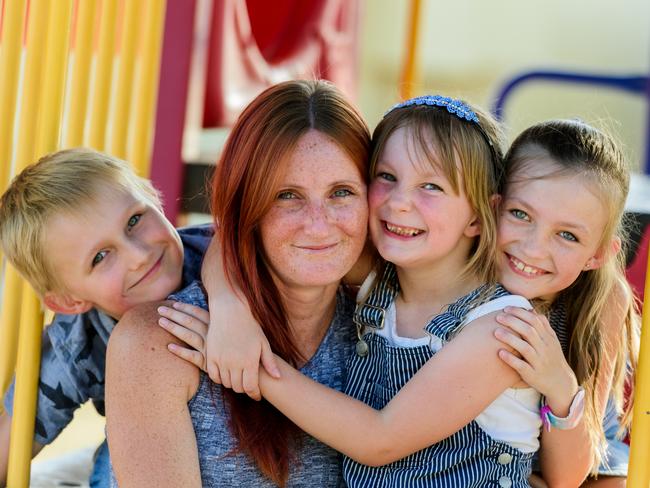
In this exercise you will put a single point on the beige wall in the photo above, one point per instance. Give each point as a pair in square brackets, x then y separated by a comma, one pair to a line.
[468, 48]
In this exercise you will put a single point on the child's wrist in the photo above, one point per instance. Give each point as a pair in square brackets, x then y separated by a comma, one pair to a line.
[560, 400]
[554, 419]
[218, 301]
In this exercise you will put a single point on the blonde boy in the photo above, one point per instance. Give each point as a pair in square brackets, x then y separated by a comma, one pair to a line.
[91, 238]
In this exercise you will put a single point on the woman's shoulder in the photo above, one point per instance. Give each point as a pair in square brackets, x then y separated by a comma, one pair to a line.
[138, 347]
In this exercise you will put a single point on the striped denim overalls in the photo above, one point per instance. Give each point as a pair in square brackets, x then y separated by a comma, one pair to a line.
[468, 458]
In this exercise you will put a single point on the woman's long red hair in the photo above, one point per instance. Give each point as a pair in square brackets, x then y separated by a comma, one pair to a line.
[243, 190]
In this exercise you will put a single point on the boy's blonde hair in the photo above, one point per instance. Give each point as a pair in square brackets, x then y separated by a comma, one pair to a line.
[59, 183]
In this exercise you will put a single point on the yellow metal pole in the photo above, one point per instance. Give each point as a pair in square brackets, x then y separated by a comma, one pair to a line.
[10, 54]
[147, 87]
[27, 369]
[56, 64]
[123, 96]
[11, 298]
[639, 471]
[409, 73]
[22, 427]
[103, 75]
[83, 50]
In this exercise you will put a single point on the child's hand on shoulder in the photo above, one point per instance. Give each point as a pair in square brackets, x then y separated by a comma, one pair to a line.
[540, 361]
[188, 323]
[229, 346]
[236, 345]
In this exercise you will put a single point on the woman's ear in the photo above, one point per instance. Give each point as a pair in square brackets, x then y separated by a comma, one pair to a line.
[604, 253]
[62, 303]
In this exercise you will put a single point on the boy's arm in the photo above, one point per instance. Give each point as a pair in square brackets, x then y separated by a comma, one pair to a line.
[235, 343]
[448, 392]
[5, 429]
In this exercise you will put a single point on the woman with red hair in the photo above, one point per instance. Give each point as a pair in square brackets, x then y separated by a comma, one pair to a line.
[289, 198]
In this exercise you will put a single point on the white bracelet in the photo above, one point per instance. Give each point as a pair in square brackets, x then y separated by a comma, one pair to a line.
[576, 410]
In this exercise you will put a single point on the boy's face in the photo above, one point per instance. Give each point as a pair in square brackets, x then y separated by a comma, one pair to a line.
[117, 252]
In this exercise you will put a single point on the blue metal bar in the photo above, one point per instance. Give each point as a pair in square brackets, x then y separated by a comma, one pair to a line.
[632, 84]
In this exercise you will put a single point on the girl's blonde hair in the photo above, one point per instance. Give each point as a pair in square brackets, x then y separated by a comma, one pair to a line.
[464, 148]
[577, 148]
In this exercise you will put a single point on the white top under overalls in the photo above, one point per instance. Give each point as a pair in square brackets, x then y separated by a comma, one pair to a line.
[495, 449]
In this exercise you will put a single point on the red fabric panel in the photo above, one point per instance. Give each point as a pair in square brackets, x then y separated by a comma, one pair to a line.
[256, 43]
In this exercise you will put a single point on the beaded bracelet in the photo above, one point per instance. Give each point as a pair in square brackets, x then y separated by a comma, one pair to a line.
[563, 423]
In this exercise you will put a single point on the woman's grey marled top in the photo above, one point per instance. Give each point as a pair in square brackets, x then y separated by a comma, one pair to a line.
[317, 465]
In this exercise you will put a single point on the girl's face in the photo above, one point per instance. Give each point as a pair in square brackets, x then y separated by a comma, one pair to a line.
[316, 229]
[416, 219]
[549, 231]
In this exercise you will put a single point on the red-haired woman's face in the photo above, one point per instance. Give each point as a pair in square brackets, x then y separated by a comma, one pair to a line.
[316, 228]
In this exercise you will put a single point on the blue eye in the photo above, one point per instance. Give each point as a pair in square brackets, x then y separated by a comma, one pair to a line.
[385, 176]
[133, 221]
[286, 195]
[342, 192]
[99, 257]
[519, 214]
[431, 186]
[568, 236]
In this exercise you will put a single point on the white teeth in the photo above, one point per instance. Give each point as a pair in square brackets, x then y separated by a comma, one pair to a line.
[403, 231]
[525, 268]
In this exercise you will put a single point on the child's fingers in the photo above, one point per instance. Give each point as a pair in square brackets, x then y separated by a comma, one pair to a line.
[521, 346]
[520, 366]
[186, 320]
[268, 361]
[521, 327]
[236, 380]
[530, 317]
[190, 355]
[250, 383]
[225, 379]
[193, 310]
[183, 333]
[214, 373]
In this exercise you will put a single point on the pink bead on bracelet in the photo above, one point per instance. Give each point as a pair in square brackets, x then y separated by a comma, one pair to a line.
[563, 423]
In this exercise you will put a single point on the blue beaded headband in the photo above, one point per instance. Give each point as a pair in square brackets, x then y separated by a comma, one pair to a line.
[453, 106]
[456, 107]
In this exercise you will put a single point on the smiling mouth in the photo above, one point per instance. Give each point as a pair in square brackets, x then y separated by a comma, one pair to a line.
[151, 272]
[523, 268]
[319, 247]
[401, 231]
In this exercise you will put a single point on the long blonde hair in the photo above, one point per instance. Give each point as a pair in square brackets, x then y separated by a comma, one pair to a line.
[577, 148]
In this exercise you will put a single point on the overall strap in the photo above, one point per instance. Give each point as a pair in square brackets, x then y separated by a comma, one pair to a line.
[449, 323]
[372, 311]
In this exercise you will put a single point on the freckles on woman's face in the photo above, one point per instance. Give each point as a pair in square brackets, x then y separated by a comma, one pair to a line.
[316, 228]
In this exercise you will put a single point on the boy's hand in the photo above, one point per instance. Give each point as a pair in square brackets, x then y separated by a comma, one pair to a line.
[190, 324]
[236, 346]
[541, 363]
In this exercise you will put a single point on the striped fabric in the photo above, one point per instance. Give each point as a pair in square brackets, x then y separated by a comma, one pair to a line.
[557, 320]
[468, 458]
